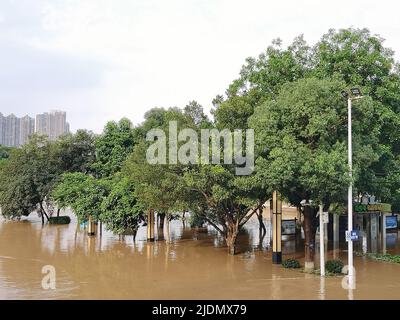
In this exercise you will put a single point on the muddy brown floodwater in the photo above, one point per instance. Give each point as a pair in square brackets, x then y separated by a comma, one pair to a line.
[193, 265]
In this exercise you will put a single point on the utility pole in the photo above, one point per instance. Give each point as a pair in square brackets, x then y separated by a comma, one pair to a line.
[355, 95]
[321, 241]
[350, 192]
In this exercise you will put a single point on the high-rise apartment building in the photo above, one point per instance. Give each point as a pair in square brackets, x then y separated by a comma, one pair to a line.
[26, 128]
[15, 131]
[2, 128]
[12, 131]
[53, 124]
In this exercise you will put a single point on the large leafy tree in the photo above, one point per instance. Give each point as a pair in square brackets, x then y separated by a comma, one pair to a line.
[121, 211]
[76, 151]
[96, 188]
[213, 192]
[83, 193]
[27, 178]
[360, 58]
[354, 57]
[31, 172]
[261, 78]
[301, 140]
[113, 146]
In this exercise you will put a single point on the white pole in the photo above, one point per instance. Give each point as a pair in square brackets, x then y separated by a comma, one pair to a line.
[321, 242]
[383, 233]
[350, 195]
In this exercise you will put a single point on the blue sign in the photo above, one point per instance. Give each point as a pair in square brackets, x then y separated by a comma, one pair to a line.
[353, 235]
[391, 222]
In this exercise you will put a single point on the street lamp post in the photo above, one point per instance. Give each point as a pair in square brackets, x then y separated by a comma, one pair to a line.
[355, 95]
[350, 191]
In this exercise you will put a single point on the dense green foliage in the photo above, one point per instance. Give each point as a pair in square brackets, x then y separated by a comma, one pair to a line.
[291, 263]
[27, 178]
[82, 193]
[60, 220]
[121, 210]
[112, 147]
[29, 175]
[214, 192]
[334, 266]
[99, 191]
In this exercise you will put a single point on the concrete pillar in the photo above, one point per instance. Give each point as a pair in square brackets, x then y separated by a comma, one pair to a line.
[150, 225]
[91, 226]
[276, 228]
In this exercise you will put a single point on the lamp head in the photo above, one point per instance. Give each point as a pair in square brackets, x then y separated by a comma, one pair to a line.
[356, 92]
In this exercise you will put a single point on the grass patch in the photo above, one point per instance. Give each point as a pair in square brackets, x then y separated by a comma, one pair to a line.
[317, 272]
[381, 257]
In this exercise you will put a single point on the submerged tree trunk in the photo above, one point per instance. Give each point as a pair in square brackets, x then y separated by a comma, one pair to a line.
[43, 213]
[134, 235]
[161, 220]
[231, 237]
[262, 229]
[309, 241]
[168, 235]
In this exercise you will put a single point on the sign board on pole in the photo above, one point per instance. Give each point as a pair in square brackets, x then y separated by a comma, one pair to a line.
[352, 235]
[288, 227]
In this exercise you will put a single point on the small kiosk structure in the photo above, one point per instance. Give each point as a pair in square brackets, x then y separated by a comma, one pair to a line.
[372, 221]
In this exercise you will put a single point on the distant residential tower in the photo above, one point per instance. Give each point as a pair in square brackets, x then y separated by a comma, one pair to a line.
[15, 131]
[53, 124]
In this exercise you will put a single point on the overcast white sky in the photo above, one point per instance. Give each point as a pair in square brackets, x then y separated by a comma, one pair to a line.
[101, 60]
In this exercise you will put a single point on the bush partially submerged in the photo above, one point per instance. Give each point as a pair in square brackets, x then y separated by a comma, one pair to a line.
[334, 266]
[291, 264]
[60, 220]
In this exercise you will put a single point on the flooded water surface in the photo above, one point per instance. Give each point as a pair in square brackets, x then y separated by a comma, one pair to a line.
[192, 264]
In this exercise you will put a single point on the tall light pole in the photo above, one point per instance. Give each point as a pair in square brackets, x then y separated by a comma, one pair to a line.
[355, 95]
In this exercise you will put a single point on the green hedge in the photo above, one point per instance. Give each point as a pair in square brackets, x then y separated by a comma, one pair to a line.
[60, 220]
[334, 266]
[291, 264]
[384, 257]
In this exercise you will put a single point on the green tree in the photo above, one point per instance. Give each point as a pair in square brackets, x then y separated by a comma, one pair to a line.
[27, 178]
[261, 78]
[76, 151]
[121, 211]
[196, 113]
[213, 192]
[83, 193]
[113, 146]
[301, 147]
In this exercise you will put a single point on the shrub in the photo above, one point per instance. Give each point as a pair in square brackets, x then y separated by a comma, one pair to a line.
[384, 257]
[291, 263]
[334, 266]
[60, 220]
